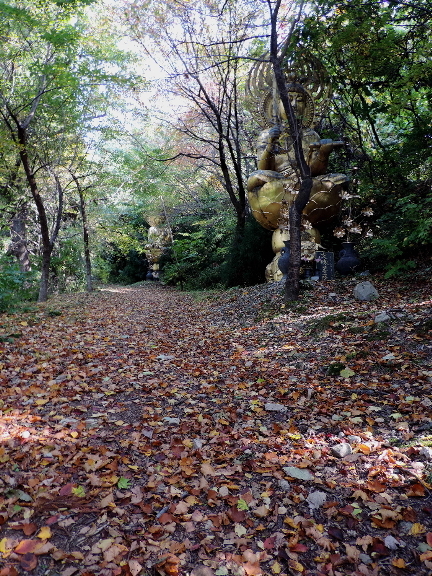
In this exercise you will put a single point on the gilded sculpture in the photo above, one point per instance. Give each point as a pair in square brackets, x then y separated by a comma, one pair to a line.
[158, 236]
[273, 187]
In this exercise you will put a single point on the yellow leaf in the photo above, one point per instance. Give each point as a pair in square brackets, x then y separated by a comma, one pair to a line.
[105, 544]
[23, 323]
[74, 434]
[119, 422]
[41, 401]
[399, 563]
[296, 566]
[290, 522]
[132, 467]
[276, 568]
[417, 529]
[45, 533]
[4, 547]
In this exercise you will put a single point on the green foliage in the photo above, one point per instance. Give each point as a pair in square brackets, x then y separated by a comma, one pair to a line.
[249, 254]
[404, 235]
[15, 286]
[67, 265]
[124, 267]
[196, 258]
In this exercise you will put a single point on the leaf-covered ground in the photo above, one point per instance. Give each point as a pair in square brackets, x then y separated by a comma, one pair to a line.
[145, 431]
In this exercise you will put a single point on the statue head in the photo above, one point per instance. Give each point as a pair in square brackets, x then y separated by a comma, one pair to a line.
[308, 86]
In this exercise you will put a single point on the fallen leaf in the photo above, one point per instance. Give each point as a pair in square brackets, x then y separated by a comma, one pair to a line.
[45, 533]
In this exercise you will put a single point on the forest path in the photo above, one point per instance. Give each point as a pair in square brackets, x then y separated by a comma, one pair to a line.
[146, 432]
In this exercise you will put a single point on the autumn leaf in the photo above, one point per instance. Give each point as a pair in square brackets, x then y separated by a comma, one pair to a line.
[416, 490]
[45, 533]
[28, 562]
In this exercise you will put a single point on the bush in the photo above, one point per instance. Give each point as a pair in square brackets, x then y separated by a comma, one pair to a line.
[196, 258]
[67, 265]
[124, 268]
[249, 254]
[15, 286]
[404, 235]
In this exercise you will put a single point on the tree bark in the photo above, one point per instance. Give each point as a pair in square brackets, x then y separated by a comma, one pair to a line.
[85, 228]
[292, 283]
[18, 246]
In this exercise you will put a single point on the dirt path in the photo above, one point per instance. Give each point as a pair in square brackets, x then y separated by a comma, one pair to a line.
[145, 432]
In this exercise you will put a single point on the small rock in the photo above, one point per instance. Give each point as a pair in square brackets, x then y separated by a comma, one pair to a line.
[284, 485]
[197, 443]
[405, 527]
[365, 292]
[91, 423]
[341, 450]
[316, 499]
[391, 543]
[299, 473]
[273, 407]
[382, 317]
[69, 422]
[352, 439]
[365, 558]
[426, 452]
[169, 420]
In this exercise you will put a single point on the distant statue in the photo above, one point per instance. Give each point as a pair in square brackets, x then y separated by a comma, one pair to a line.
[158, 237]
[273, 187]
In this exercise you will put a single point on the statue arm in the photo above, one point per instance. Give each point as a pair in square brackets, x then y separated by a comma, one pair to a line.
[319, 153]
[268, 148]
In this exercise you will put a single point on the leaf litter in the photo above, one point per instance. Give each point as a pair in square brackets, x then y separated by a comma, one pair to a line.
[145, 432]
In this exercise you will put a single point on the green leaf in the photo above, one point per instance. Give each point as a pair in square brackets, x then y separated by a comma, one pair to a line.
[78, 491]
[347, 373]
[242, 505]
[123, 483]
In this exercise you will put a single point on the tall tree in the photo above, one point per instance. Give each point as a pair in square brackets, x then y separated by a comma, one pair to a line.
[199, 51]
[49, 92]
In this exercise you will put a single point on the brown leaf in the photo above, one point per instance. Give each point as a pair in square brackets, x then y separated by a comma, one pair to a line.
[9, 571]
[28, 562]
[416, 490]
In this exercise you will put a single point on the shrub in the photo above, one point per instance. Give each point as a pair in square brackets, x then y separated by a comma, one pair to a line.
[15, 286]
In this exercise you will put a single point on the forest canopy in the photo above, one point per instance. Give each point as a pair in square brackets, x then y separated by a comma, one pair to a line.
[112, 113]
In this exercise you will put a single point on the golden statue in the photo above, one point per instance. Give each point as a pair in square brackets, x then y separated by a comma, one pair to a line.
[273, 187]
[158, 236]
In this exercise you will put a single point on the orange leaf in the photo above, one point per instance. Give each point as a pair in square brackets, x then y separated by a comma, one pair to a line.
[9, 571]
[26, 546]
[364, 448]
[416, 490]
[399, 563]
[376, 486]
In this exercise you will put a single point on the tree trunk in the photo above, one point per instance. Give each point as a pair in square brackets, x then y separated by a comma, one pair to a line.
[292, 283]
[44, 280]
[88, 269]
[18, 246]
